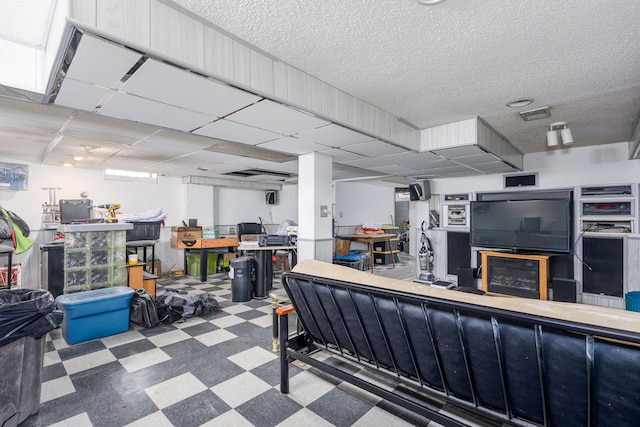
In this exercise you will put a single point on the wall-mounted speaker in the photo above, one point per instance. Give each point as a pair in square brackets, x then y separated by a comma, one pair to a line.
[419, 190]
[271, 197]
[522, 180]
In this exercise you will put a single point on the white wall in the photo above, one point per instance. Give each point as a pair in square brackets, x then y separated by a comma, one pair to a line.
[234, 206]
[359, 202]
[167, 194]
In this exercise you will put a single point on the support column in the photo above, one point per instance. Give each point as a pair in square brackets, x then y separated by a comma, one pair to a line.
[315, 198]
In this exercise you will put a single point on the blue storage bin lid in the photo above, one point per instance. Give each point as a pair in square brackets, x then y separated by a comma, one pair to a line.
[350, 257]
[85, 297]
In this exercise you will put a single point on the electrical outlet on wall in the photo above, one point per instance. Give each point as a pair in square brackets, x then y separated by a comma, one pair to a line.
[324, 211]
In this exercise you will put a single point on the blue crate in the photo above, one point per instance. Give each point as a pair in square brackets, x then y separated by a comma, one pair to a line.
[95, 314]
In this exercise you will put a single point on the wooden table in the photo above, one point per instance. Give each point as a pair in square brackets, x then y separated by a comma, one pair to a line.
[203, 245]
[371, 239]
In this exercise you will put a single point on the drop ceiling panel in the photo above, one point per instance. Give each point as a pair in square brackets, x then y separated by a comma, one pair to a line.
[495, 167]
[366, 163]
[232, 131]
[31, 116]
[123, 106]
[292, 146]
[410, 159]
[476, 159]
[249, 163]
[173, 142]
[374, 148]
[172, 85]
[468, 150]
[277, 118]
[80, 95]
[395, 170]
[101, 62]
[93, 126]
[334, 136]
[340, 155]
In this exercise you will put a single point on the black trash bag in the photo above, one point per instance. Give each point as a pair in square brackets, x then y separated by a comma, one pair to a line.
[209, 304]
[27, 312]
[175, 306]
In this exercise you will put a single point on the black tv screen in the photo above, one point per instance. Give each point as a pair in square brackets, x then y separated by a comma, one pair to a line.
[534, 225]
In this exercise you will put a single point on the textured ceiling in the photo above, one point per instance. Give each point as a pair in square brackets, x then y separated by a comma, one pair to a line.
[432, 65]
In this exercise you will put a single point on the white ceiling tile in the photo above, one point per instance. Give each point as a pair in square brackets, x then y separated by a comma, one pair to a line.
[277, 118]
[476, 159]
[80, 95]
[410, 159]
[366, 162]
[292, 146]
[96, 127]
[101, 62]
[232, 131]
[340, 155]
[138, 109]
[334, 136]
[375, 148]
[394, 170]
[451, 153]
[186, 90]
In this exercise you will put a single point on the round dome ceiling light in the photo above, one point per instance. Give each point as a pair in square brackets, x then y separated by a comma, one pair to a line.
[521, 102]
[429, 2]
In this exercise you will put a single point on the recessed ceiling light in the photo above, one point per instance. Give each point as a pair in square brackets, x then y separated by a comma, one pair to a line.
[429, 2]
[67, 165]
[77, 158]
[521, 102]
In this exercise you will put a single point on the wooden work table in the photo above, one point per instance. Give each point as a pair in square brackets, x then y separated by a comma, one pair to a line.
[203, 245]
[371, 239]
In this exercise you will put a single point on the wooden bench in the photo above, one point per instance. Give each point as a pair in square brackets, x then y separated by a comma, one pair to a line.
[510, 360]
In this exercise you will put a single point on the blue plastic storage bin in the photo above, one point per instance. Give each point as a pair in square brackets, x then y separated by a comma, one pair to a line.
[95, 314]
[633, 301]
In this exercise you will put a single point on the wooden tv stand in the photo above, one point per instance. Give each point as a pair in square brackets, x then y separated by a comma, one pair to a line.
[515, 274]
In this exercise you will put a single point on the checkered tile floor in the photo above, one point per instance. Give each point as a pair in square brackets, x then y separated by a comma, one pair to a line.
[214, 370]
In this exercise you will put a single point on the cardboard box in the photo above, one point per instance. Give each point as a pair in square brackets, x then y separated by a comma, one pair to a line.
[95, 314]
[180, 233]
[342, 246]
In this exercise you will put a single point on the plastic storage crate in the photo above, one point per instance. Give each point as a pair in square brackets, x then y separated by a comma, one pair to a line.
[95, 314]
[144, 230]
[354, 260]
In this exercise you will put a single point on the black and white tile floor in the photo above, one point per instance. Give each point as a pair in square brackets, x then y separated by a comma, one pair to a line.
[208, 371]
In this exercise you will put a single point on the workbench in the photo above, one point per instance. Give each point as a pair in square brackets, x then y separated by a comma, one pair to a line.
[203, 245]
[371, 239]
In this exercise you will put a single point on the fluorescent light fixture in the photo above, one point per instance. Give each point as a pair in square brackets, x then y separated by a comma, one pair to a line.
[429, 2]
[132, 176]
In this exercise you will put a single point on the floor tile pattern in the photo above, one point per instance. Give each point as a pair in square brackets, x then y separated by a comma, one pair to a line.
[215, 370]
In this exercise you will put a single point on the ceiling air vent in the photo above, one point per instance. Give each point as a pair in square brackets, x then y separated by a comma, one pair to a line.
[537, 114]
[253, 172]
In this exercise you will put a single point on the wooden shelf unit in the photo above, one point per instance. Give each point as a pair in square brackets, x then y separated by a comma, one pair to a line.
[531, 265]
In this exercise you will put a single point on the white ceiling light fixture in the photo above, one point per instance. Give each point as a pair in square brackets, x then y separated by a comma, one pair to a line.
[565, 134]
[429, 2]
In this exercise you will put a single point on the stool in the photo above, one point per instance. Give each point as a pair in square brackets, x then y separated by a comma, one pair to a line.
[8, 251]
[135, 245]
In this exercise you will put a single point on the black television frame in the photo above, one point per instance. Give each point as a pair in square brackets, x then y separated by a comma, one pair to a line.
[565, 198]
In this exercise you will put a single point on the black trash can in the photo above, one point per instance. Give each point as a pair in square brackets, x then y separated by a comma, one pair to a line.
[26, 315]
[241, 282]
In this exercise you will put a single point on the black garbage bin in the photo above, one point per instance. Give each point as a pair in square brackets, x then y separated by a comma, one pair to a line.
[241, 278]
[26, 315]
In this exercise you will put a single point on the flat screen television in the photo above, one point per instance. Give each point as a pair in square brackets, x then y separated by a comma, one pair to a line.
[522, 225]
